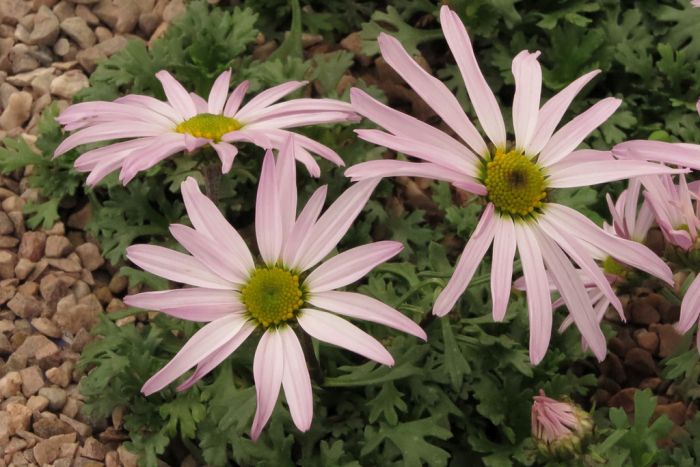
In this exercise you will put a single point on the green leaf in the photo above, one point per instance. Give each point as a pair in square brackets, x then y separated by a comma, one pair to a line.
[409, 36]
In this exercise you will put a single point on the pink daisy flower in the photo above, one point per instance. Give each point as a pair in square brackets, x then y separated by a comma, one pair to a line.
[559, 427]
[517, 179]
[677, 211]
[236, 294]
[155, 130]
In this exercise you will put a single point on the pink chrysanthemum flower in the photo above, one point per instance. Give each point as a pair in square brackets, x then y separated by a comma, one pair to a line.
[236, 294]
[559, 427]
[155, 130]
[517, 179]
[677, 211]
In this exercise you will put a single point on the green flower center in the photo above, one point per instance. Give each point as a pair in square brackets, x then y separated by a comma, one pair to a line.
[514, 183]
[209, 126]
[611, 266]
[272, 296]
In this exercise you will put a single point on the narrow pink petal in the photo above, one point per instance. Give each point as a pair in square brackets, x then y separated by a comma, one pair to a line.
[625, 251]
[360, 306]
[502, 266]
[577, 252]
[690, 307]
[553, 110]
[199, 103]
[472, 256]
[394, 168]
[297, 120]
[329, 328]
[333, 224]
[526, 102]
[218, 93]
[257, 137]
[574, 294]
[564, 141]
[268, 368]
[424, 150]
[299, 107]
[311, 145]
[296, 381]
[659, 151]
[268, 218]
[303, 224]
[175, 266]
[234, 101]
[115, 151]
[227, 153]
[177, 95]
[287, 180]
[351, 265]
[268, 97]
[108, 131]
[144, 158]
[207, 219]
[481, 96]
[192, 304]
[594, 173]
[432, 91]
[152, 104]
[277, 138]
[215, 358]
[539, 303]
[202, 344]
[405, 126]
[209, 253]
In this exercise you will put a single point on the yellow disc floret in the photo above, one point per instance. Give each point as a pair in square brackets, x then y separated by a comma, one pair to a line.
[272, 296]
[515, 184]
[209, 126]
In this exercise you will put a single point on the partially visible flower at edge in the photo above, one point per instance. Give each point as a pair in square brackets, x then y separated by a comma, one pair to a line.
[559, 428]
[157, 129]
[516, 179]
[237, 295]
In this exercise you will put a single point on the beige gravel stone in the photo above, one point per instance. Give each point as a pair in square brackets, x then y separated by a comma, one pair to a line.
[18, 110]
[57, 246]
[25, 306]
[8, 261]
[57, 397]
[90, 256]
[32, 380]
[46, 327]
[46, 27]
[77, 29]
[61, 375]
[10, 384]
[32, 245]
[37, 403]
[49, 425]
[68, 84]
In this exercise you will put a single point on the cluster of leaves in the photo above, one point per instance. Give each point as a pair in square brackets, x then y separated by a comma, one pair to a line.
[464, 396]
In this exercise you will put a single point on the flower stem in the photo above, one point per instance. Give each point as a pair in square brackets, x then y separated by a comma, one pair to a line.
[311, 360]
[212, 180]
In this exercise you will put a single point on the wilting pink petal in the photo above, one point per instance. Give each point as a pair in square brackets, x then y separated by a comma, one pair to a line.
[268, 368]
[296, 381]
[227, 153]
[360, 306]
[329, 328]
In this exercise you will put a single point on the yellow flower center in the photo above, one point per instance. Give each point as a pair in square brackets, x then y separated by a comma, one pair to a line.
[272, 296]
[209, 126]
[514, 183]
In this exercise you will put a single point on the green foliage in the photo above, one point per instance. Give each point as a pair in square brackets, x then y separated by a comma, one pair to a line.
[462, 398]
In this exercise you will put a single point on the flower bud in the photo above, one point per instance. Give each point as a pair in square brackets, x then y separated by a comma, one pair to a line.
[559, 428]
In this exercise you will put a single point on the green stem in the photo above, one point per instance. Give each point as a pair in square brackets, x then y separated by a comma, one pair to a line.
[212, 180]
